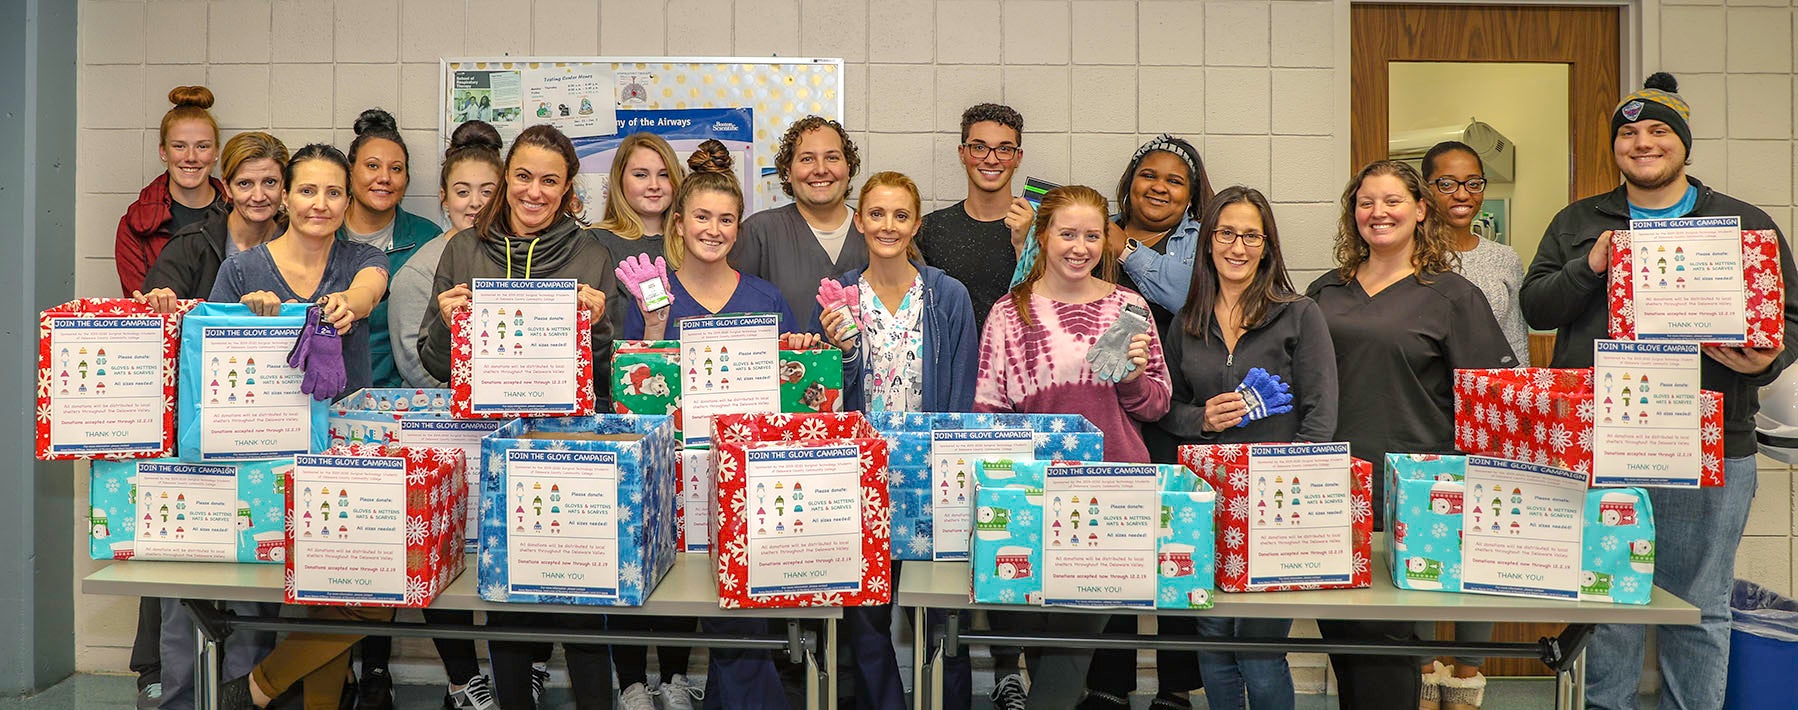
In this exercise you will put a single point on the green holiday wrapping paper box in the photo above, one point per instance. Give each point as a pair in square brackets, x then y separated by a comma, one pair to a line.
[646, 379]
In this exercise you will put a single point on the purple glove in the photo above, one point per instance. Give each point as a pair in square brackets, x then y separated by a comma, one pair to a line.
[318, 353]
[646, 280]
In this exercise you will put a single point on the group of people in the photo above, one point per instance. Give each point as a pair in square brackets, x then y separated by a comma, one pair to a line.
[986, 305]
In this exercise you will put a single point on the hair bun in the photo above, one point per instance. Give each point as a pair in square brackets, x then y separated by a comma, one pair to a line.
[1663, 81]
[196, 96]
[712, 157]
[476, 134]
[375, 119]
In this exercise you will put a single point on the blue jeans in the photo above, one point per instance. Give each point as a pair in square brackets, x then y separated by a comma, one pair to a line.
[1264, 677]
[1696, 533]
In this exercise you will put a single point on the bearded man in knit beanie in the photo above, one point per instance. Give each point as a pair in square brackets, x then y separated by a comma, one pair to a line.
[1697, 529]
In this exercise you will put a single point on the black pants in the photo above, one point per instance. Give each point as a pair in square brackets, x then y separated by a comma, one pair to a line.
[589, 664]
[146, 647]
[632, 662]
[1114, 670]
[1373, 682]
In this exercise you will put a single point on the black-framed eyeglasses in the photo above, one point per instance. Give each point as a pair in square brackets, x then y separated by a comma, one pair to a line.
[980, 150]
[1448, 185]
[1227, 235]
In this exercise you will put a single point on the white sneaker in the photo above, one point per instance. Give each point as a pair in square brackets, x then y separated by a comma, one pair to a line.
[150, 697]
[679, 693]
[636, 697]
[477, 695]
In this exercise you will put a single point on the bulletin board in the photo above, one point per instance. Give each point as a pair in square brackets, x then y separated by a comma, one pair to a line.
[598, 101]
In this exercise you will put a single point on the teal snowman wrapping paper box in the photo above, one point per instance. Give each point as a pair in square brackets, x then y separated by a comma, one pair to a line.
[164, 509]
[1095, 535]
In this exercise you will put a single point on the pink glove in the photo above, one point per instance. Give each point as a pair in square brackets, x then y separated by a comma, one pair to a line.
[835, 296]
[646, 280]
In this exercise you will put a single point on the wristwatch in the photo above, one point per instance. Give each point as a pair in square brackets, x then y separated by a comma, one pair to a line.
[1130, 247]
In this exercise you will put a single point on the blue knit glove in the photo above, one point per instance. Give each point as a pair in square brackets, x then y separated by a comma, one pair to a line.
[1265, 395]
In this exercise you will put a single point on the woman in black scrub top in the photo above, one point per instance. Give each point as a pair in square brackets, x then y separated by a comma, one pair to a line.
[1402, 321]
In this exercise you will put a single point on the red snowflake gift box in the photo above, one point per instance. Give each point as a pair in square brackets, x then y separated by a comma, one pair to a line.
[1764, 287]
[375, 526]
[1544, 416]
[1278, 502]
[106, 380]
[801, 516]
[541, 394]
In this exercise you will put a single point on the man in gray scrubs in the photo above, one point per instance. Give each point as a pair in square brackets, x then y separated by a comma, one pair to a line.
[796, 245]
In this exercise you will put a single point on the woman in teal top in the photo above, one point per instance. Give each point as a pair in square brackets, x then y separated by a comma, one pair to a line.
[378, 178]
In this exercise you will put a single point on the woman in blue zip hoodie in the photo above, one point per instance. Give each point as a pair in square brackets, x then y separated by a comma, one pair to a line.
[916, 351]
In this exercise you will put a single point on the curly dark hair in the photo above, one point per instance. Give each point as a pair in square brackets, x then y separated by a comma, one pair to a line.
[783, 160]
[997, 113]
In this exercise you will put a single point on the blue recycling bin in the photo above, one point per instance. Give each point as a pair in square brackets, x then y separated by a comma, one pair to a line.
[1763, 648]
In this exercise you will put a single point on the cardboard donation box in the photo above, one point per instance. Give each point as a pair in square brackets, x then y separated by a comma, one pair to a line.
[239, 400]
[163, 509]
[106, 380]
[1545, 416]
[577, 510]
[931, 468]
[1475, 524]
[415, 418]
[801, 516]
[647, 379]
[1092, 535]
[521, 348]
[370, 525]
[1289, 516]
[1697, 280]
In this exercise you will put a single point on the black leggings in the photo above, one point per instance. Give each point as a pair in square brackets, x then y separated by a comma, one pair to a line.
[589, 664]
[1374, 682]
[632, 662]
[1114, 670]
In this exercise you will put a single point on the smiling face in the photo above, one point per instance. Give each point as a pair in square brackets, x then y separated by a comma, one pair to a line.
[471, 186]
[255, 191]
[1649, 154]
[1237, 263]
[536, 180]
[991, 173]
[189, 151]
[1386, 213]
[378, 176]
[647, 185]
[317, 199]
[709, 225]
[820, 171]
[888, 220]
[1460, 207]
[1074, 243]
[1160, 191]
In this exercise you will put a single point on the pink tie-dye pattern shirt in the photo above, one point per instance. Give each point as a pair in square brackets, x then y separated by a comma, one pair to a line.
[1042, 368]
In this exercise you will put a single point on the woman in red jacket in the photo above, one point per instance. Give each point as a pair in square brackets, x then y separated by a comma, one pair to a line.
[185, 194]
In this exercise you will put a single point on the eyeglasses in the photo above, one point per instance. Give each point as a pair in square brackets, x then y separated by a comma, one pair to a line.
[1229, 236]
[980, 150]
[1448, 185]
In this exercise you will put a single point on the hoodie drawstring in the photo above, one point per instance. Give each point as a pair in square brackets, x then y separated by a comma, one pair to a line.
[530, 252]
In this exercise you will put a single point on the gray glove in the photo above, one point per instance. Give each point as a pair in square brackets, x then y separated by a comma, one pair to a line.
[1110, 354]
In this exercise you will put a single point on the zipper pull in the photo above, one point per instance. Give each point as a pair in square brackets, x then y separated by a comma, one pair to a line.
[1230, 359]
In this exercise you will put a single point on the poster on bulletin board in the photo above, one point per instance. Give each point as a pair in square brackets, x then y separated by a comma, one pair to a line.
[593, 99]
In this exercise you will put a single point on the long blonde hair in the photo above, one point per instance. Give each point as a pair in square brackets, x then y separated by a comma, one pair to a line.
[709, 171]
[1055, 201]
[1432, 250]
[619, 218]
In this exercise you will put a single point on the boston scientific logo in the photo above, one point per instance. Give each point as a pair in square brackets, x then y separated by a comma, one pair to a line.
[724, 127]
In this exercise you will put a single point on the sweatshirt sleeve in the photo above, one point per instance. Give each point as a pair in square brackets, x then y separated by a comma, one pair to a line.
[995, 388]
[963, 347]
[1559, 285]
[433, 335]
[1186, 413]
[175, 270]
[1314, 375]
[131, 256]
[408, 296]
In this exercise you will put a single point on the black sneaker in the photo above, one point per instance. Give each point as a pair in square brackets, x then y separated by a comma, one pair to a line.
[375, 691]
[1009, 694]
[539, 679]
[1101, 700]
[477, 695]
[1167, 700]
[234, 694]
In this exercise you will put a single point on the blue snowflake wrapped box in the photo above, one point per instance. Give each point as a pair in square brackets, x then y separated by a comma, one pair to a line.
[932, 458]
[163, 509]
[577, 510]
[414, 417]
[1009, 564]
[239, 401]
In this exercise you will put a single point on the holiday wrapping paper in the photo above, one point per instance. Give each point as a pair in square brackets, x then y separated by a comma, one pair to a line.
[1007, 550]
[577, 510]
[1059, 437]
[462, 372]
[1226, 468]
[848, 497]
[1544, 416]
[163, 509]
[1764, 296]
[404, 416]
[1424, 523]
[92, 403]
[646, 379]
[239, 400]
[371, 525]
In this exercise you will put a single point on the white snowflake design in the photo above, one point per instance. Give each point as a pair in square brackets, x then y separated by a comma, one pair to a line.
[1609, 543]
[1233, 538]
[1439, 530]
[1628, 584]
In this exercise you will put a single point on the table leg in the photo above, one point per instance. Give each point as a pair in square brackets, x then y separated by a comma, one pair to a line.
[206, 669]
[920, 666]
[1570, 685]
[830, 663]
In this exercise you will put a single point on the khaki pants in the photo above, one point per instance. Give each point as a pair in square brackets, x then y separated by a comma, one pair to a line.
[318, 662]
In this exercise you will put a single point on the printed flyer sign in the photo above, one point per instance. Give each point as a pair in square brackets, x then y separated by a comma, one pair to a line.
[732, 367]
[805, 532]
[953, 454]
[1099, 533]
[522, 340]
[187, 511]
[1687, 277]
[349, 531]
[575, 99]
[1521, 529]
[455, 434]
[490, 95]
[562, 511]
[1301, 521]
[108, 386]
[1646, 429]
[251, 406]
[696, 497]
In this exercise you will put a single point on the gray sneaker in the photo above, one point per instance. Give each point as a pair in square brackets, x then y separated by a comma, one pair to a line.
[149, 697]
[636, 697]
[679, 693]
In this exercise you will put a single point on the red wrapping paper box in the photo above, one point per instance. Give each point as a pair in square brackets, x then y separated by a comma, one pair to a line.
[825, 470]
[78, 417]
[369, 525]
[462, 404]
[1764, 297]
[1544, 416]
[1226, 468]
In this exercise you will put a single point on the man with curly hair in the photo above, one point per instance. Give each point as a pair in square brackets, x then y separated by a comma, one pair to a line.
[798, 244]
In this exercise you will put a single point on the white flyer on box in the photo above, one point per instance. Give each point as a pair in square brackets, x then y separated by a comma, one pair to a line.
[1526, 540]
[186, 511]
[1301, 516]
[1099, 528]
[562, 520]
[463, 434]
[1646, 425]
[349, 529]
[251, 406]
[696, 497]
[107, 377]
[1688, 279]
[805, 513]
[729, 365]
[523, 342]
[953, 454]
